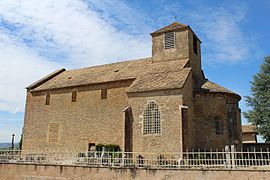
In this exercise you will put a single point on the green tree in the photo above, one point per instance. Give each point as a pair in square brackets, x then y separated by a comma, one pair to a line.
[20, 143]
[259, 101]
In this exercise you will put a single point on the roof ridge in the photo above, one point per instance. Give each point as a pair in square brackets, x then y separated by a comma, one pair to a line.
[46, 78]
[114, 63]
[173, 26]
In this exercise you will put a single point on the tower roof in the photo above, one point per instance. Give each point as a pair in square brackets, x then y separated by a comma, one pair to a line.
[171, 27]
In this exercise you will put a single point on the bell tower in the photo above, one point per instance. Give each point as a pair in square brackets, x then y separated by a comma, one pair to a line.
[177, 42]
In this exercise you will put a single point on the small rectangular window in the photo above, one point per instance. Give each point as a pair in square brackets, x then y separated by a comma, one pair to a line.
[74, 96]
[218, 125]
[48, 97]
[169, 40]
[104, 94]
[195, 45]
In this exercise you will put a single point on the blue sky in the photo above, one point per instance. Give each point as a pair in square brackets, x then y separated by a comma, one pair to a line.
[37, 37]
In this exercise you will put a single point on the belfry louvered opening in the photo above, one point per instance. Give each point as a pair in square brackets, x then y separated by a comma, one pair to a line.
[169, 40]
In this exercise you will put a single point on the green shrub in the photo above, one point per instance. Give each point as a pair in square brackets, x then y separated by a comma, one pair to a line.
[108, 147]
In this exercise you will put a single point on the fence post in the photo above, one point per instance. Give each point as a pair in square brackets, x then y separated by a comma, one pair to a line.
[227, 155]
[232, 157]
[123, 159]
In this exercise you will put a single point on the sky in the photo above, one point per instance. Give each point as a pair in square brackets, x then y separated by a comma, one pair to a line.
[39, 36]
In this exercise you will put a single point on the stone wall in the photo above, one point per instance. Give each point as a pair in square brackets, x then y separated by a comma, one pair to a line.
[68, 126]
[58, 172]
[207, 107]
[188, 129]
[195, 58]
[249, 137]
[181, 50]
[169, 140]
[71, 126]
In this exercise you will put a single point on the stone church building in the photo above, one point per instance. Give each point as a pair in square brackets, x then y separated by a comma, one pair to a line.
[162, 103]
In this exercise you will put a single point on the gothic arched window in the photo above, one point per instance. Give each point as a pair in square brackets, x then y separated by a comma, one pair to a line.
[151, 119]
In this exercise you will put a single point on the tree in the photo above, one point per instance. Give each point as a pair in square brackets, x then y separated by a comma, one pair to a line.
[259, 101]
[20, 143]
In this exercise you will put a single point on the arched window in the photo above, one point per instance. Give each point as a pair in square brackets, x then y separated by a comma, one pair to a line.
[151, 119]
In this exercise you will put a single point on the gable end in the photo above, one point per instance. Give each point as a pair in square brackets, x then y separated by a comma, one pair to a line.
[45, 79]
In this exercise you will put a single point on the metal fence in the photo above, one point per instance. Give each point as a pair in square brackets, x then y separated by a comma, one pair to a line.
[186, 160]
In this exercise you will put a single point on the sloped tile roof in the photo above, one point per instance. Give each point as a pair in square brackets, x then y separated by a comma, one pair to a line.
[248, 128]
[116, 72]
[46, 78]
[209, 86]
[164, 80]
[171, 27]
[213, 87]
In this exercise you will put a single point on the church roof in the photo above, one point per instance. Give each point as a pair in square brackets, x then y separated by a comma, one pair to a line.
[46, 78]
[147, 75]
[248, 128]
[213, 87]
[156, 81]
[171, 27]
[209, 86]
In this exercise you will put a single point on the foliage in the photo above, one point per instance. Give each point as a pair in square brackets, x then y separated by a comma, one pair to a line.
[20, 143]
[108, 147]
[259, 100]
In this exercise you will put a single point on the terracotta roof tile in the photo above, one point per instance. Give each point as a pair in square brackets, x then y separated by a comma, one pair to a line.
[46, 78]
[208, 86]
[111, 72]
[171, 27]
[213, 87]
[156, 81]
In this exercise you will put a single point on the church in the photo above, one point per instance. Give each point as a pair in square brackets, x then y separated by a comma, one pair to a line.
[163, 103]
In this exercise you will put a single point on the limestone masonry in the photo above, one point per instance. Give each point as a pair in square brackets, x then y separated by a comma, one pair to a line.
[159, 104]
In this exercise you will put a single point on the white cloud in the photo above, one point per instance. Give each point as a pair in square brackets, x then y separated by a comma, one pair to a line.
[19, 67]
[221, 29]
[122, 16]
[77, 30]
[223, 38]
[39, 36]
